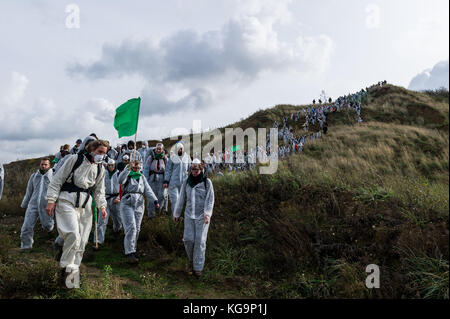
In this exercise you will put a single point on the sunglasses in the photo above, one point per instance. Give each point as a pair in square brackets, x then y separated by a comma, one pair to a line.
[195, 169]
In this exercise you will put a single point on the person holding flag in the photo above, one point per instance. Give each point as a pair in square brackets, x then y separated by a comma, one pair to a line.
[132, 206]
[133, 184]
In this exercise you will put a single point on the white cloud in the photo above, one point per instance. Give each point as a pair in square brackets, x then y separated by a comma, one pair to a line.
[268, 11]
[43, 119]
[431, 79]
[189, 69]
[16, 90]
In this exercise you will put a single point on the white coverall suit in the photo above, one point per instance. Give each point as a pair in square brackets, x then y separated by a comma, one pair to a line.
[113, 210]
[132, 206]
[175, 175]
[74, 223]
[199, 202]
[35, 203]
[154, 173]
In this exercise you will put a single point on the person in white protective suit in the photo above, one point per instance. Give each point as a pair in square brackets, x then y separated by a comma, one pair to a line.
[209, 162]
[112, 153]
[76, 148]
[144, 151]
[112, 195]
[2, 179]
[154, 170]
[69, 195]
[35, 203]
[176, 173]
[197, 193]
[59, 241]
[132, 206]
[131, 153]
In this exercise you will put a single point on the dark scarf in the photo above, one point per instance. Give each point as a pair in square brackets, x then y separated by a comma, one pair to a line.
[194, 180]
[89, 156]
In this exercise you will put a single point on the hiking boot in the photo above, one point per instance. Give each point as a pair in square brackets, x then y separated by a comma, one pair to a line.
[57, 251]
[25, 250]
[198, 273]
[131, 259]
[190, 269]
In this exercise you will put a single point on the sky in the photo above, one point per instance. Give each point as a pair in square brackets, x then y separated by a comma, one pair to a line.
[66, 66]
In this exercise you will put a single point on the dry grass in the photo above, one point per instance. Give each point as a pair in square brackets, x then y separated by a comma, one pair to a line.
[371, 193]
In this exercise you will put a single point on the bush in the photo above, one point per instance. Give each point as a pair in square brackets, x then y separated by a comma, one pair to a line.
[20, 280]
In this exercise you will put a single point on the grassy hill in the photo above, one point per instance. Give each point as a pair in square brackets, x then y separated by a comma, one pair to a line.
[375, 193]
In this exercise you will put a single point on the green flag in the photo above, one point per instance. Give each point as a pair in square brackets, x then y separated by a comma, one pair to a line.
[126, 119]
[235, 148]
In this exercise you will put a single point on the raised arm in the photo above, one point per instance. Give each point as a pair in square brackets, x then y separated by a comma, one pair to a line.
[123, 175]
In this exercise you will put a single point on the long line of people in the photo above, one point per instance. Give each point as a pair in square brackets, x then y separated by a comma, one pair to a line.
[314, 117]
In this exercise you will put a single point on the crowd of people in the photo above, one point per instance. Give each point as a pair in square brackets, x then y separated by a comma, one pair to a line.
[92, 177]
[119, 182]
[290, 140]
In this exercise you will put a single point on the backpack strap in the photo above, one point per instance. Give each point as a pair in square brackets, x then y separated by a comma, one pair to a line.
[99, 167]
[71, 187]
[127, 182]
[75, 166]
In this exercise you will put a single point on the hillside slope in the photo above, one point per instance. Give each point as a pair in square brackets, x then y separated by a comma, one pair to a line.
[375, 193]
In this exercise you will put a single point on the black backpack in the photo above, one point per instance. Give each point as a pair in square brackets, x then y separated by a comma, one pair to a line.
[78, 163]
[72, 188]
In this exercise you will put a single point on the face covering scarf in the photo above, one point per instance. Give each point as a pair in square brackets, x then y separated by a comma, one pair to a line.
[135, 175]
[194, 180]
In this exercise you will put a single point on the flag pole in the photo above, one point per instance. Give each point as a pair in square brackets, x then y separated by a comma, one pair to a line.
[135, 146]
[95, 223]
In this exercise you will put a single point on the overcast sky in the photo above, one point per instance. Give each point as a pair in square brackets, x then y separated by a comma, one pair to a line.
[211, 60]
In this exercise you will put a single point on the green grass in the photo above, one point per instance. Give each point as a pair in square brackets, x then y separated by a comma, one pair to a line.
[371, 193]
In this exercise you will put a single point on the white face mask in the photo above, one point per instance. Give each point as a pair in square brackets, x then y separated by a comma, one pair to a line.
[98, 158]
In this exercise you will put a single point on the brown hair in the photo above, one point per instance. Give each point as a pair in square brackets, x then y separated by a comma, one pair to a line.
[66, 147]
[97, 143]
[135, 162]
[46, 159]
